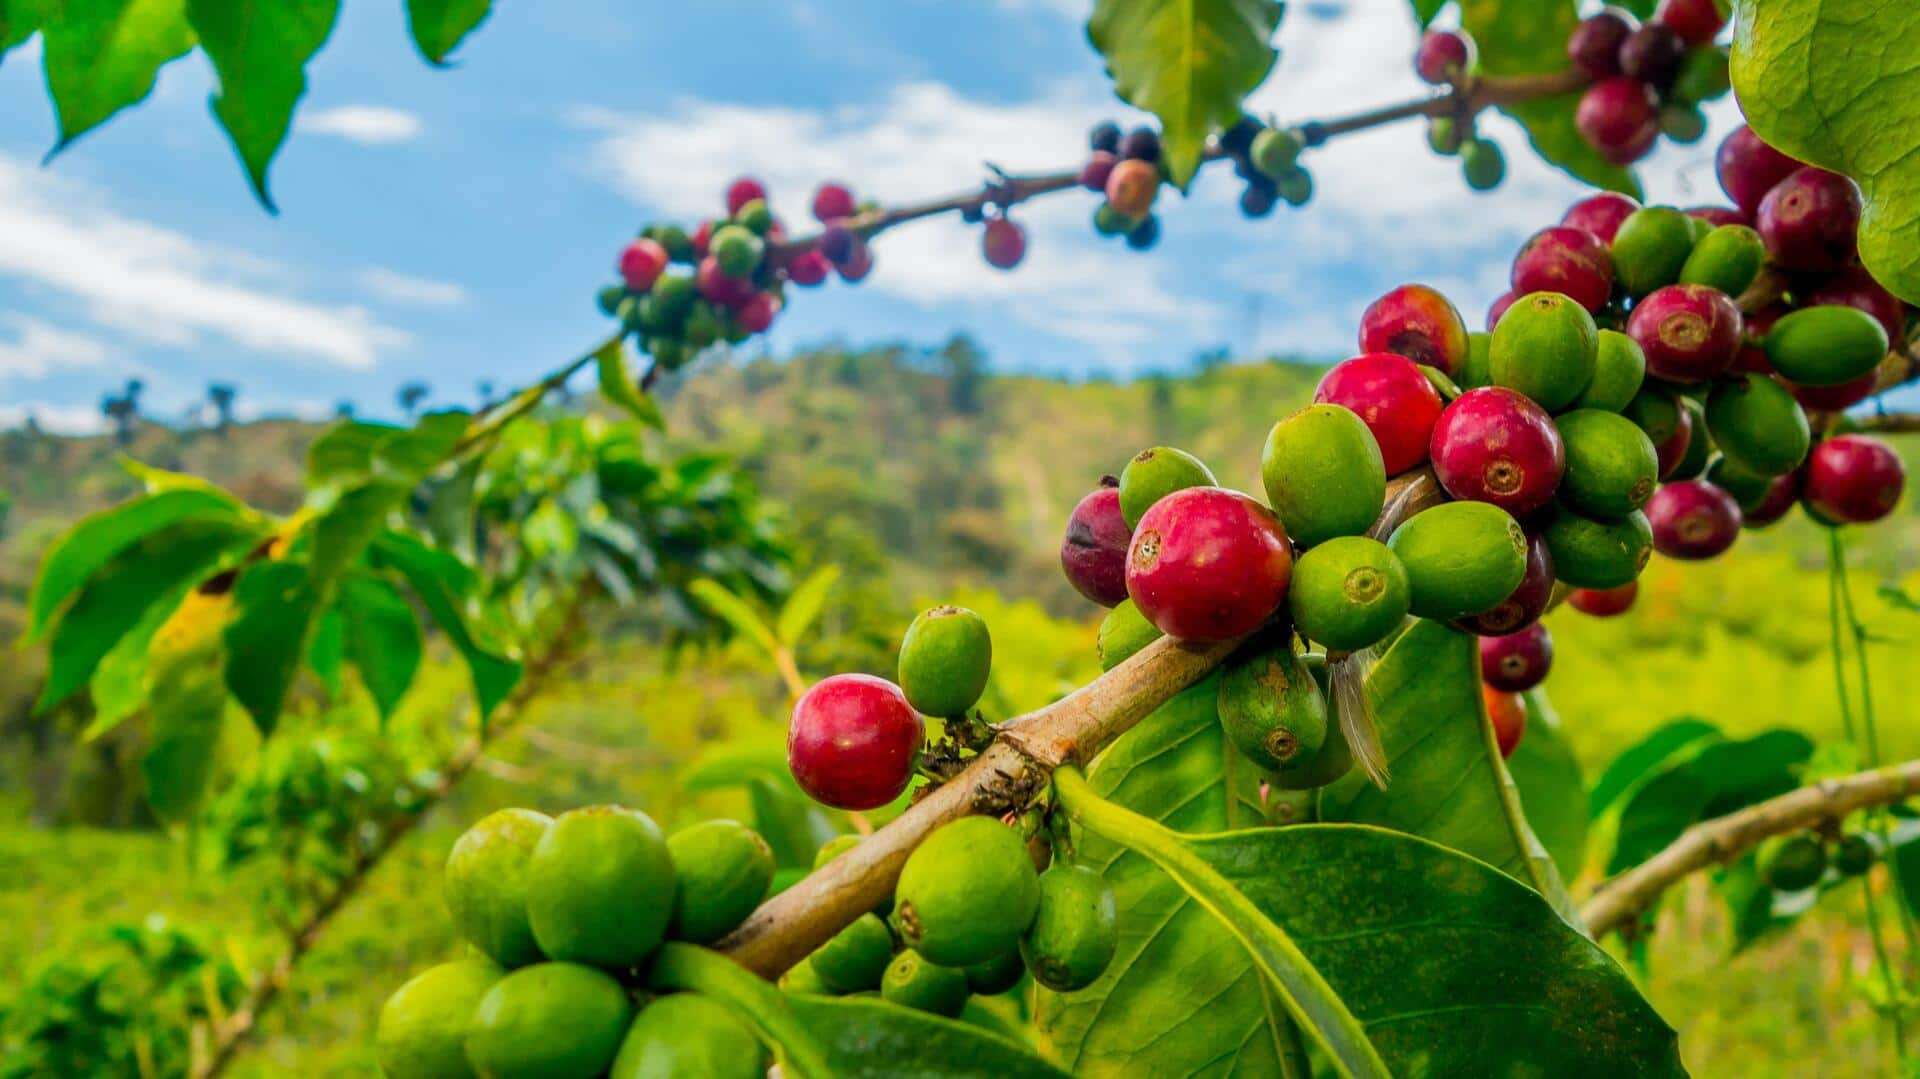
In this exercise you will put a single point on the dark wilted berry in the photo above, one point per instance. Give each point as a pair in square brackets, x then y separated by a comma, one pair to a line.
[1652, 53]
[1594, 45]
[1094, 552]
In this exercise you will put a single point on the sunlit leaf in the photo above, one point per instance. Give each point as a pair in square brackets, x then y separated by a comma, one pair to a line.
[735, 612]
[260, 51]
[618, 386]
[440, 25]
[84, 549]
[189, 701]
[103, 55]
[444, 585]
[872, 1039]
[804, 605]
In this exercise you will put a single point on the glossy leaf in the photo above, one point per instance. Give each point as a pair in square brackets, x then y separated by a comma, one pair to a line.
[444, 586]
[1449, 784]
[439, 26]
[19, 19]
[275, 607]
[1644, 757]
[260, 50]
[383, 639]
[872, 1039]
[103, 55]
[619, 387]
[188, 701]
[1189, 62]
[87, 547]
[450, 509]
[118, 688]
[1718, 780]
[804, 604]
[342, 533]
[1424, 11]
[1552, 791]
[327, 651]
[793, 826]
[1835, 84]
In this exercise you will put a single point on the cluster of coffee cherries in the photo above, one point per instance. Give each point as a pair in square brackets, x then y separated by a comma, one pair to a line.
[1446, 58]
[564, 914]
[1795, 863]
[1268, 159]
[1649, 79]
[1125, 170]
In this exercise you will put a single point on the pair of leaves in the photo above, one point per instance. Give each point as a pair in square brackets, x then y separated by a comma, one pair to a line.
[1709, 779]
[797, 615]
[1837, 84]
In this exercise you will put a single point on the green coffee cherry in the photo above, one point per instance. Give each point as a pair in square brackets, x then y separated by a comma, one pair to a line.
[1461, 558]
[1792, 863]
[944, 661]
[1155, 473]
[1335, 758]
[1589, 553]
[1348, 593]
[1656, 411]
[1479, 369]
[997, 975]
[1649, 249]
[1728, 258]
[801, 978]
[1444, 136]
[1108, 221]
[1295, 186]
[1275, 150]
[1619, 367]
[834, 848]
[486, 884]
[722, 870]
[755, 216]
[1682, 122]
[686, 1034]
[912, 981]
[423, 1027]
[1700, 227]
[1271, 708]
[737, 250]
[1853, 855]
[1074, 935]
[1758, 425]
[1747, 488]
[1123, 632]
[1612, 468]
[600, 887]
[550, 1019]
[670, 300]
[1545, 346]
[967, 893]
[856, 956]
[1323, 474]
[1482, 163]
[1825, 346]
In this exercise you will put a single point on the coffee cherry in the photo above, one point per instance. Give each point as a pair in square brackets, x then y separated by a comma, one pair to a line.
[1444, 57]
[1074, 935]
[1656, 411]
[1275, 151]
[1619, 117]
[1393, 398]
[1104, 138]
[1208, 564]
[1854, 854]
[1348, 593]
[1693, 519]
[1482, 164]
[600, 887]
[808, 268]
[853, 960]
[1479, 367]
[423, 1026]
[1445, 135]
[1123, 632]
[1611, 464]
[857, 265]
[997, 975]
[1295, 186]
[1748, 168]
[486, 884]
[1697, 22]
[1094, 553]
[1747, 487]
[641, 263]
[1756, 422]
[1517, 662]
[1507, 712]
[1144, 235]
[1594, 45]
[1673, 449]
[611, 298]
[912, 982]
[1728, 258]
[1108, 221]
[838, 243]
[1604, 602]
[1461, 558]
[1131, 187]
[742, 191]
[700, 240]
[1650, 248]
[1783, 492]
[549, 1019]
[756, 312]
[967, 893]
[1156, 472]
[1416, 322]
[1619, 368]
[1825, 346]
[1499, 307]
[945, 659]
[1494, 445]
[1141, 144]
[1272, 709]
[1566, 260]
[1810, 220]
[1683, 123]
[852, 741]
[1689, 333]
[1600, 214]
[1258, 199]
[1525, 604]
[718, 286]
[722, 870]
[1003, 244]
[832, 202]
[1792, 863]
[1652, 54]
[1698, 450]
[1590, 553]
[1835, 398]
[1238, 139]
[1721, 215]
[1855, 287]
[690, 1034]
[1853, 479]
[1323, 474]
[1545, 347]
[1094, 174]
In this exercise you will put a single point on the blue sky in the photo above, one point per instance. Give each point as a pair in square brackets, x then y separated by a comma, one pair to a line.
[450, 226]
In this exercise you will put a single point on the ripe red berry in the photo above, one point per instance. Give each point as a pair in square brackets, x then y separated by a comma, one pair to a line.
[1499, 307]
[1721, 215]
[1855, 287]
[1693, 519]
[1783, 491]
[808, 268]
[1444, 57]
[1568, 260]
[1594, 45]
[1208, 564]
[1672, 450]
[1690, 333]
[742, 191]
[756, 312]
[1508, 714]
[1697, 22]
[1494, 445]
[852, 741]
[641, 263]
[1393, 398]
[1600, 214]
[1620, 118]
[858, 263]
[1836, 398]
[1853, 479]
[831, 202]
[1003, 243]
[1094, 552]
[1748, 168]
[1418, 323]
[1604, 602]
[716, 286]
[1524, 606]
[1517, 662]
[1132, 185]
[1094, 174]
[1809, 220]
[1652, 54]
[702, 239]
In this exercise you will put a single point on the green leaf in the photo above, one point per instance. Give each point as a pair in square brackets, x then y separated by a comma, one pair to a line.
[1449, 966]
[1189, 62]
[19, 19]
[756, 1002]
[118, 687]
[734, 611]
[793, 826]
[188, 703]
[440, 25]
[1835, 84]
[1424, 11]
[872, 1039]
[618, 386]
[327, 651]
[1449, 784]
[804, 604]
[382, 639]
[1642, 758]
[450, 509]
[275, 607]
[1551, 788]
[445, 586]
[342, 533]
[1717, 780]
[356, 453]
[260, 50]
[87, 547]
[103, 55]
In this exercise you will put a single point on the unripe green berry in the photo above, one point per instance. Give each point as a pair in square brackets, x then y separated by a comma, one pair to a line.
[722, 870]
[1155, 473]
[966, 893]
[945, 659]
[1123, 632]
[1073, 936]
[1348, 593]
[1482, 163]
[1275, 150]
[911, 981]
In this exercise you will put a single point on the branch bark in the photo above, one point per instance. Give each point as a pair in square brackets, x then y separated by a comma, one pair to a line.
[1726, 838]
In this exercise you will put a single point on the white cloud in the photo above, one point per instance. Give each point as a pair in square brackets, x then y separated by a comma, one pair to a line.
[374, 124]
[395, 287]
[162, 285]
[56, 419]
[39, 349]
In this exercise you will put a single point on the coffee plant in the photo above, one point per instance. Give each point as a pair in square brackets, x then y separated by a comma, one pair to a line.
[1315, 816]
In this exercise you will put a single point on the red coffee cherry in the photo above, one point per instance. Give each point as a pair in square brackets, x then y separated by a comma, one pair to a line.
[1697, 22]
[1499, 307]
[1853, 479]
[1693, 520]
[832, 202]
[1393, 398]
[1619, 117]
[1652, 54]
[1003, 244]
[1094, 174]
[1594, 45]
[742, 191]
[1094, 552]
[1855, 287]
[1835, 398]
[1208, 564]
[1567, 260]
[1690, 333]
[852, 741]
[641, 263]
[1604, 602]
[1444, 57]
[717, 286]
[1419, 323]
[1811, 220]
[1508, 714]
[1721, 215]
[808, 268]
[1517, 662]
[1748, 168]
[1494, 445]
[757, 311]
[1783, 491]
[1672, 450]
[1600, 214]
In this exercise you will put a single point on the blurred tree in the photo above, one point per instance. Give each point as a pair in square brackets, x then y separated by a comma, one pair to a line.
[410, 397]
[965, 367]
[220, 395]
